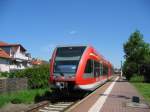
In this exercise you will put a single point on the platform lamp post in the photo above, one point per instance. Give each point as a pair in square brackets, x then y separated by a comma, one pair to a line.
[121, 69]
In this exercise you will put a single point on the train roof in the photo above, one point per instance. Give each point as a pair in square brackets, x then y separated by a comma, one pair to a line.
[90, 46]
[72, 46]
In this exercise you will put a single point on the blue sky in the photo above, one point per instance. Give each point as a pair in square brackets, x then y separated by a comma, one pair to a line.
[40, 25]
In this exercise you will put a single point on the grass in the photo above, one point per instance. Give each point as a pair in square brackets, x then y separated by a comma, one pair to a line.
[143, 88]
[137, 78]
[23, 96]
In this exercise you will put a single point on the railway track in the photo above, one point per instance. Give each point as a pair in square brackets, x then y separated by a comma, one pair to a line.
[57, 102]
[56, 107]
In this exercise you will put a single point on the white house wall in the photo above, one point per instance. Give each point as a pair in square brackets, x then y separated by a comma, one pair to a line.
[20, 55]
[4, 65]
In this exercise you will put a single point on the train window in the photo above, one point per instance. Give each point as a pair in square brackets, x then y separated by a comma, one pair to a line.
[65, 66]
[96, 69]
[105, 70]
[101, 69]
[75, 52]
[67, 59]
[89, 67]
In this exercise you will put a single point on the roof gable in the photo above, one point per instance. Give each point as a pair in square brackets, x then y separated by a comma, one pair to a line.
[3, 44]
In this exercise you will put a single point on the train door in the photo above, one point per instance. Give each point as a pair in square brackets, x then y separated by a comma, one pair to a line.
[105, 71]
[88, 72]
[96, 70]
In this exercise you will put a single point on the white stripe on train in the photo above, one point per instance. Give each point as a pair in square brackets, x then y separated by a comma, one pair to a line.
[92, 86]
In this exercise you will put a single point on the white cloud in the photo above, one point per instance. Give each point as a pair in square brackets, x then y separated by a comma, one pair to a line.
[73, 32]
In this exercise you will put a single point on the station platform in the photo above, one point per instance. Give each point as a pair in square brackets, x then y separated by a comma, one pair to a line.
[114, 96]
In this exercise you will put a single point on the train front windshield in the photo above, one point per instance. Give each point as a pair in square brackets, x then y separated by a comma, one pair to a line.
[67, 59]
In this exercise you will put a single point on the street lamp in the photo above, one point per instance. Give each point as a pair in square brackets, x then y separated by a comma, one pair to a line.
[121, 69]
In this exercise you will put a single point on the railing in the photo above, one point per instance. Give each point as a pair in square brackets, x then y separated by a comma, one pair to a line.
[20, 56]
[15, 67]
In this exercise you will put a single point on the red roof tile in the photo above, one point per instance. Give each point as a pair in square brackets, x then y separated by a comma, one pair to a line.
[3, 54]
[2, 44]
[36, 62]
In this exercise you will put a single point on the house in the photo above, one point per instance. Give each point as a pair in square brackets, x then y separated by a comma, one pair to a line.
[15, 56]
[4, 61]
[36, 62]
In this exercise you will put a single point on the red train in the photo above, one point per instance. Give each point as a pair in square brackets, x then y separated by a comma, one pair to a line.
[78, 67]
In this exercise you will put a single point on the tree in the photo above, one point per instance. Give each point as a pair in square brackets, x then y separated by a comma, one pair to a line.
[137, 55]
[145, 68]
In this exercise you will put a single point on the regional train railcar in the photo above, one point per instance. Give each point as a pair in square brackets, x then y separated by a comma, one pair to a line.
[78, 67]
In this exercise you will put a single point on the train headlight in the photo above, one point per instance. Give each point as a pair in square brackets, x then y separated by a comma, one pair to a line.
[71, 77]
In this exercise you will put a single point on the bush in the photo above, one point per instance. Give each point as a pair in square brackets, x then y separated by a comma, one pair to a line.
[38, 76]
[4, 74]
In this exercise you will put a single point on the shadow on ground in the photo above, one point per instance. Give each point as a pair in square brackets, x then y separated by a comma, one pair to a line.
[58, 96]
[115, 96]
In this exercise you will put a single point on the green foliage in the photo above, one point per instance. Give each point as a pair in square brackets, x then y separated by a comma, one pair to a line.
[137, 55]
[134, 46]
[37, 76]
[129, 68]
[4, 74]
[146, 71]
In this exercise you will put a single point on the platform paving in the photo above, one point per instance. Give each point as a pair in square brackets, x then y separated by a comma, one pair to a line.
[116, 101]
